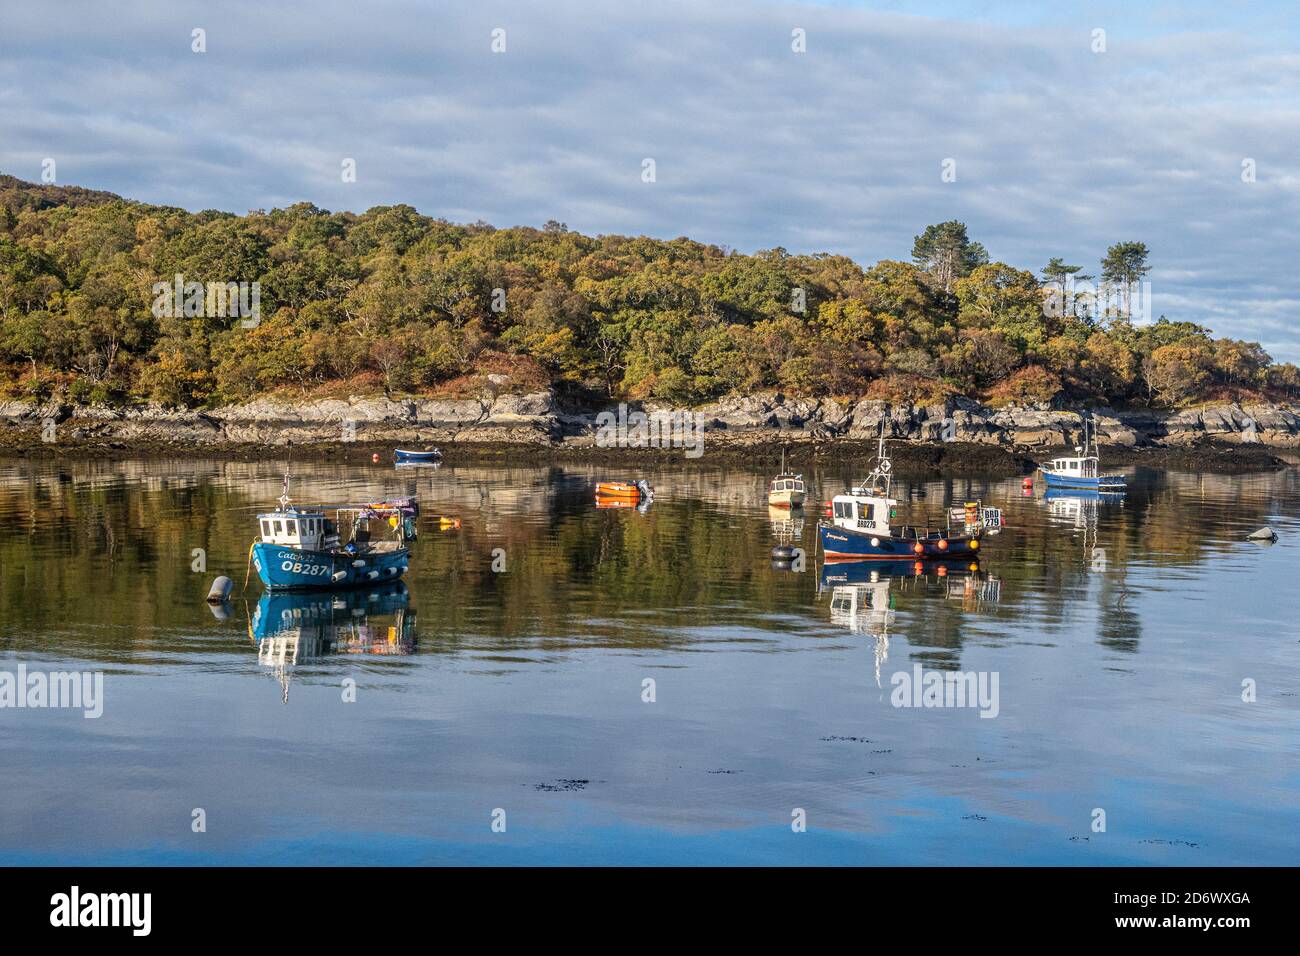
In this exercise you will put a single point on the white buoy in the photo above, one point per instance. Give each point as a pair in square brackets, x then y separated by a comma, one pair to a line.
[220, 590]
[1263, 534]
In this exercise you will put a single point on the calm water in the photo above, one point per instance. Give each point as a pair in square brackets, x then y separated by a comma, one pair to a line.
[1120, 635]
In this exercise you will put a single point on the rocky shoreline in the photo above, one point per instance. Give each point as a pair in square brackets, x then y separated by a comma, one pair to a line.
[957, 434]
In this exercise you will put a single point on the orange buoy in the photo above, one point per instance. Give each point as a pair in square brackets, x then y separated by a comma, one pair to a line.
[919, 548]
[943, 544]
[375, 457]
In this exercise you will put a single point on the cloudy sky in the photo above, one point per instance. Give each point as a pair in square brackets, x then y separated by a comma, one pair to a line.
[1058, 149]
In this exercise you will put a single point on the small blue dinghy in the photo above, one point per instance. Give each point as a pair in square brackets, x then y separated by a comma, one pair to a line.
[405, 454]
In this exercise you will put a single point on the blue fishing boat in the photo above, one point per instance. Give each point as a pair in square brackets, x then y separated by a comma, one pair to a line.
[1082, 470]
[405, 454]
[860, 524]
[306, 548]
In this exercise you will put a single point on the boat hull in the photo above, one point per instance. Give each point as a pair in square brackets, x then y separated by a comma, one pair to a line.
[844, 545]
[1108, 483]
[618, 489]
[284, 568]
[786, 499]
[405, 455]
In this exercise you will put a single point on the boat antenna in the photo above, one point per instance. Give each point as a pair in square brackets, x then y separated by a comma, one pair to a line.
[283, 500]
[880, 478]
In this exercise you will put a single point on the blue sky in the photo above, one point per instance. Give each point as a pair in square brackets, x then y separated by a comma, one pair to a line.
[1059, 150]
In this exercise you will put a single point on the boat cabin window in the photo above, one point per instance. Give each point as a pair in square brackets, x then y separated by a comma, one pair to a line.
[844, 509]
[867, 512]
[266, 529]
[291, 527]
[279, 528]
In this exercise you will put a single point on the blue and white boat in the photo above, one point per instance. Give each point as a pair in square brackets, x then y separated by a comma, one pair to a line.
[860, 525]
[304, 548]
[1082, 471]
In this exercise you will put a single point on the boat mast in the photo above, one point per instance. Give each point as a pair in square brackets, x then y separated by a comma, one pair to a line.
[283, 500]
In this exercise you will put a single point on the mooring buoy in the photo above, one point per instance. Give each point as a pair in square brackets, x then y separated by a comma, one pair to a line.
[220, 590]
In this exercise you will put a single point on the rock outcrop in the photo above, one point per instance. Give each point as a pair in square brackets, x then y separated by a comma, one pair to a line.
[536, 419]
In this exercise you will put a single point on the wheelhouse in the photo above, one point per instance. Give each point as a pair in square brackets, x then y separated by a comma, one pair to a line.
[788, 483]
[305, 530]
[857, 512]
[1082, 467]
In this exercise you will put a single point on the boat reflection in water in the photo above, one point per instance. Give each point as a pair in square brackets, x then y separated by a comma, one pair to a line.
[1078, 506]
[294, 628]
[787, 523]
[864, 594]
[1081, 509]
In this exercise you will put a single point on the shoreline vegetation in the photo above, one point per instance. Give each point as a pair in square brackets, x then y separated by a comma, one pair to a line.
[347, 333]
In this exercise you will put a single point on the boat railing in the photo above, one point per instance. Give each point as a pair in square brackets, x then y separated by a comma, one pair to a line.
[923, 534]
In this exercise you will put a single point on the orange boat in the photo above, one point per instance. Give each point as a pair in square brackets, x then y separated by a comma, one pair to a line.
[627, 490]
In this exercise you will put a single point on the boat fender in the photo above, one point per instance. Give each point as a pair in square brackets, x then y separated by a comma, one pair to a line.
[358, 564]
[943, 544]
[338, 576]
[975, 544]
[371, 575]
[919, 548]
[875, 542]
[220, 590]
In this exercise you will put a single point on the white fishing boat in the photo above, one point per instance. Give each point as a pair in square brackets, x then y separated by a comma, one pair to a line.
[787, 489]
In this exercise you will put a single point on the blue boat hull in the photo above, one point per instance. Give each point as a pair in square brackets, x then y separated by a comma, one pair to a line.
[1109, 483]
[403, 455]
[853, 545]
[286, 568]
